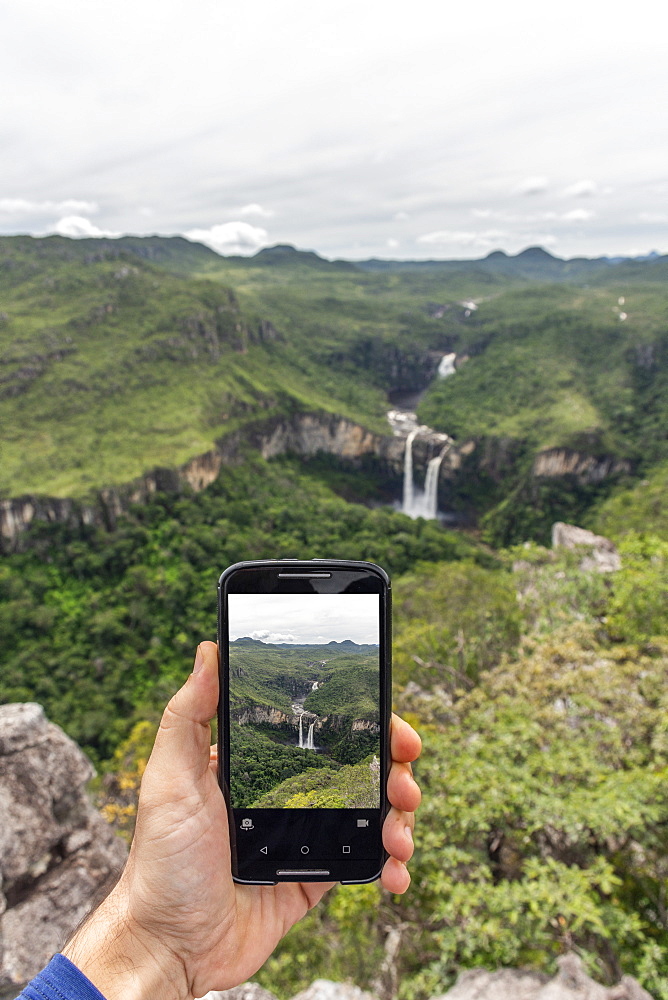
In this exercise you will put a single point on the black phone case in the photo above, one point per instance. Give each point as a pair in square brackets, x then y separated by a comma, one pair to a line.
[313, 565]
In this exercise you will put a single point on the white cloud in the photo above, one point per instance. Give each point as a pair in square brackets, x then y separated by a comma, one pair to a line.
[231, 238]
[392, 243]
[401, 216]
[24, 206]
[581, 189]
[532, 185]
[578, 215]
[265, 636]
[255, 209]
[77, 227]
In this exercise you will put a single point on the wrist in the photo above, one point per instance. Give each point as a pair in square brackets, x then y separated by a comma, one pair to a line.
[121, 960]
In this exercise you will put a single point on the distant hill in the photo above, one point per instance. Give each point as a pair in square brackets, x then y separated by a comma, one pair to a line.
[345, 646]
[533, 264]
[286, 256]
[175, 253]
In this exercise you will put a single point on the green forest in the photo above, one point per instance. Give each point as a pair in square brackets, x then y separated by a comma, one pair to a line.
[538, 684]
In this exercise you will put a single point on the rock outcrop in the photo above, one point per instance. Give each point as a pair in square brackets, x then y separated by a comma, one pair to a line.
[57, 854]
[570, 983]
[257, 715]
[602, 554]
[320, 989]
[587, 469]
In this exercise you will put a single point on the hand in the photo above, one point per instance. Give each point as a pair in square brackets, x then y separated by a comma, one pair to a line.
[177, 925]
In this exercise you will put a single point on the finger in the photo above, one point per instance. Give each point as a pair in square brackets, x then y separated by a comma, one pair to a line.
[405, 743]
[395, 877]
[185, 734]
[398, 834]
[402, 789]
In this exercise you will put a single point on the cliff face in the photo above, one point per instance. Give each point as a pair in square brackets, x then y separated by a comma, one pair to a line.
[310, 434]
[257, 716]
[305, 435]
[301, 434]
[586, 468]
[57, 854]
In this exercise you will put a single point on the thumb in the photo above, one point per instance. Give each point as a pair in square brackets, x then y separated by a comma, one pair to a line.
[184, 737]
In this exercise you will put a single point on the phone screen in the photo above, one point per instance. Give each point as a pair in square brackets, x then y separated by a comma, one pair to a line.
[305, 746]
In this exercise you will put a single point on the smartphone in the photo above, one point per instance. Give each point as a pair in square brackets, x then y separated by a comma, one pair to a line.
[303, 718]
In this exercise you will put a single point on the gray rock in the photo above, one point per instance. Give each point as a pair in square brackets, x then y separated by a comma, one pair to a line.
[247, 991]
[21, 726]
[505, 984]
[324, 989]
[603, 556]
[321, 989]
[58, 856]
[570, 983]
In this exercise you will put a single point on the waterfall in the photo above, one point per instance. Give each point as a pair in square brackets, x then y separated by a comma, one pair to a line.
[416, 502]
[431, 487]
[447, 365]
[315, 686]
[306, 743]
[408, 474]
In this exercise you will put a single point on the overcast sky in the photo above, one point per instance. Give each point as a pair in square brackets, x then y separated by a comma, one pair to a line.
[298, 618]
[361, 128]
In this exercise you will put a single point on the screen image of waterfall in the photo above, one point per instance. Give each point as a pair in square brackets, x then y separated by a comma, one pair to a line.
[417, 502]
[306, 742]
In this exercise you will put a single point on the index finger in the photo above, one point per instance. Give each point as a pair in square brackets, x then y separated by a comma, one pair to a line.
[405, 744]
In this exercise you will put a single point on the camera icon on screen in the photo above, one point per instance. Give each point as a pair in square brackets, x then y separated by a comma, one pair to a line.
[362, 822]
[246, 823]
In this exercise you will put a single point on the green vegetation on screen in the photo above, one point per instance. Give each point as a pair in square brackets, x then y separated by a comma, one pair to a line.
[266, 675]
[259, 764]
[297, 707]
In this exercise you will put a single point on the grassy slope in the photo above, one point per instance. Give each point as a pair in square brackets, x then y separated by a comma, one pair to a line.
[557, 366]
[121, 355]
[115, 358]
[642, 508]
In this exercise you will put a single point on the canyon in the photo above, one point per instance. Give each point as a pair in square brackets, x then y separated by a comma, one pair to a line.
[422, 460]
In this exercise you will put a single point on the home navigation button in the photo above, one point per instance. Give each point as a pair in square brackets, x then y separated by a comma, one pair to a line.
[305, 849]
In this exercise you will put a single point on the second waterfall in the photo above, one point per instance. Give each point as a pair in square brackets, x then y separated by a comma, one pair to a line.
[416, 502]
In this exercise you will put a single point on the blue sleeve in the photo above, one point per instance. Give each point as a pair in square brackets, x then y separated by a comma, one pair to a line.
[60, 981]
